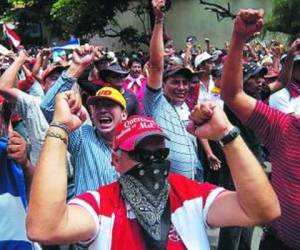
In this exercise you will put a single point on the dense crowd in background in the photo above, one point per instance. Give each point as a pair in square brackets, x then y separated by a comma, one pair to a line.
[256, 83]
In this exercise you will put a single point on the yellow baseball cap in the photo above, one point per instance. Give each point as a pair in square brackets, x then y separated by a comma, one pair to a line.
[109, 93]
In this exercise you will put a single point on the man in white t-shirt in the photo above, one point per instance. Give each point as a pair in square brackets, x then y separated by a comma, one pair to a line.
[287, 100]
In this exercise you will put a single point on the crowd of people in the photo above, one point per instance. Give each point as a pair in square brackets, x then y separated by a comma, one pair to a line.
[148, 150]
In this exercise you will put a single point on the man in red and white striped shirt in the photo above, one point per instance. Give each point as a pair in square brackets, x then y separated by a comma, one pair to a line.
[148, 207]
[278, 131]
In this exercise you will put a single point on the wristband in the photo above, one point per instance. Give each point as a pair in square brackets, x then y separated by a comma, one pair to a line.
[159, 20]
[57, 136]
[60, 125]
[230, 136]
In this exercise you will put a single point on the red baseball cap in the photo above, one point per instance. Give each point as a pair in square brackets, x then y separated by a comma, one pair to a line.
[136, 128]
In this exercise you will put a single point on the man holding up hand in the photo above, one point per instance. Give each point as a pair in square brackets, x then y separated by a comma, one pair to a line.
[278, 131]
[148, 207]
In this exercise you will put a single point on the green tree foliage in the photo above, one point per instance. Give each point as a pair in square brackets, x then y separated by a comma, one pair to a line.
[285, 18]
[4, 7]
[82, 18]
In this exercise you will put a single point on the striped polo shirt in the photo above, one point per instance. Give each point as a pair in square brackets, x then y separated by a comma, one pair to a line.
[91, 158]
[183, 146]
[281, 134]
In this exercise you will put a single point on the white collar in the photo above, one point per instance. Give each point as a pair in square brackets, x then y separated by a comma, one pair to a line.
[132, 80]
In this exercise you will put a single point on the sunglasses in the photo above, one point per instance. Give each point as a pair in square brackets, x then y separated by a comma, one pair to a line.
[144, 155]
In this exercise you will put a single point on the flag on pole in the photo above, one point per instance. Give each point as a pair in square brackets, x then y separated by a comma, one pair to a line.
[73, 43]
[11, 35]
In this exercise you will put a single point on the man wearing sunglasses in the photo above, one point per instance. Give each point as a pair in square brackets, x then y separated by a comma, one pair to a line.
[148, 207]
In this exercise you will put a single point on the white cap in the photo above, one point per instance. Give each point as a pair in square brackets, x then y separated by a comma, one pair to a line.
[201, 58]
[112, 57]
[215, 55]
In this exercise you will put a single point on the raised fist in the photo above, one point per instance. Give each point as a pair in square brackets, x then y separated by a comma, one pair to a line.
[68, 110]
[208, 121]
[17, 148]
[248, 22]
[295, 48]
[84, 55]
[158, 6]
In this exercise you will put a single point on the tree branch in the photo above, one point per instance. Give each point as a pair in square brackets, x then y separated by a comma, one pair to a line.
[220, 11]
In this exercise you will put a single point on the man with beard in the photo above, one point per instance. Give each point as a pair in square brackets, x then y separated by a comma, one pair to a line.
[136, 81]
[148, 208]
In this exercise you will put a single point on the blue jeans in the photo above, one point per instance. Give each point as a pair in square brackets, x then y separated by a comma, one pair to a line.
[199, 174]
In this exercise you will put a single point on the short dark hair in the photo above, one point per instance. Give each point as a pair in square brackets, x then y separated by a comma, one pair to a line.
[134, 60]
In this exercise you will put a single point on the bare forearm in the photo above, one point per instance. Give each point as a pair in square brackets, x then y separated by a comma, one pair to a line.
[26, 70]
[206, 146]
[75, 70]
[8, 78]
[187, 57]
[287, 70]
[253, 54]
[255, 194]
[276, 62]
[45, 62]
[49, 186]
[28, 169]
[156, 61]
[232, 77]
[37, 65]
[232, 82]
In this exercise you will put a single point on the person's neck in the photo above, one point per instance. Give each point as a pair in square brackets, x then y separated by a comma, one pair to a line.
[108, 137]
[205, 78]
[134, 76]
[178, 104]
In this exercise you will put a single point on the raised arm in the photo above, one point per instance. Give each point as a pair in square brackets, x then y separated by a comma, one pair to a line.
[42, 59]
[246, 206]
[8, 78]
[287, 69]
[49, 219]
[247, 23]
[82, 58]
[156, 61]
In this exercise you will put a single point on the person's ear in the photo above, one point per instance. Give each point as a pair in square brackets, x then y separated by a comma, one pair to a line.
[124, 115]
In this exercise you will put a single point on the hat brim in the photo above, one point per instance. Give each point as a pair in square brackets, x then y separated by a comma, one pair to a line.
[181, 71]
[94, 99]
[106, 72]
[131, 143]
[202, 60]
[55, 69]
[260, 71]
[198, 73]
